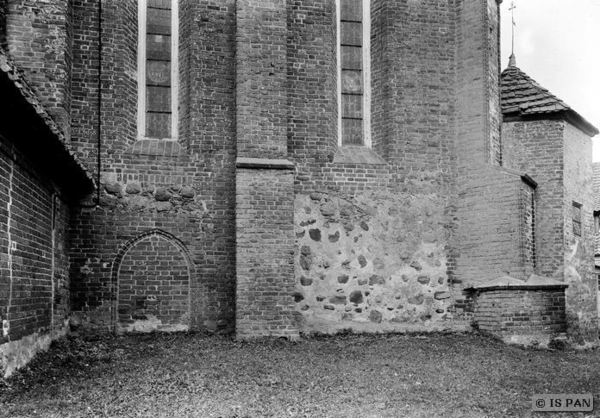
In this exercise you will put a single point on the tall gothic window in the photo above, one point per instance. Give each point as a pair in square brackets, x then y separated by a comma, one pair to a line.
[157, 69]
[354, 39]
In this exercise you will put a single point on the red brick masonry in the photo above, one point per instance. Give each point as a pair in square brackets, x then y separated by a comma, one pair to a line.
[507, 307]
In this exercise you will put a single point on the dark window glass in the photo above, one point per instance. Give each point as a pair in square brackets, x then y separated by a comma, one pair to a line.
[352, 94]
[576, 219]
[158, 69]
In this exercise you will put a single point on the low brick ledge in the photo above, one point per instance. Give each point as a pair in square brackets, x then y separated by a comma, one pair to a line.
[357, 155]
[533, 282]
[274, 164]
[156, 147]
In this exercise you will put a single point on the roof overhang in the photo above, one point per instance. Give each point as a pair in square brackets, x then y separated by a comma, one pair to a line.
[27, 126]
[569, 116]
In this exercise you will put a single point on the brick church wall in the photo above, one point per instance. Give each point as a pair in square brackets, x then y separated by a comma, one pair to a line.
[252, 216]
[370, 224]
[557, 154]
[34, 287]
[264, 241]
[488, 227]
[379, 237]
[261, 94]
[264, 178]
[537, 148]
[183, 190]
[39, 39]
[39, 178]
[522, 315]
[473, 239]
[412, 75]
[312, 79]
[581, 298]
[153, 272]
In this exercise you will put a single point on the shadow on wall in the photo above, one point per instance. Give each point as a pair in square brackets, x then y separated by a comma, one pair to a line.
[3, 4]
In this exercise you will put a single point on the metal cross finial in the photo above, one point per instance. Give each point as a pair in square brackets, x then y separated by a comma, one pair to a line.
[512, 11]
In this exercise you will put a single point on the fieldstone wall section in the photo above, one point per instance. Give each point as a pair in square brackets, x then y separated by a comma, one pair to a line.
[371, 262]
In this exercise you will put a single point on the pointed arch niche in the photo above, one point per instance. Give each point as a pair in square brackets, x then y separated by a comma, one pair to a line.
[152, 272]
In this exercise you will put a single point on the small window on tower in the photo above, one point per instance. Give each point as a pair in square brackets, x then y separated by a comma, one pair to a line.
[576, 219]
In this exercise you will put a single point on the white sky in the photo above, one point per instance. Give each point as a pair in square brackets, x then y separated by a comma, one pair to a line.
[557, 43]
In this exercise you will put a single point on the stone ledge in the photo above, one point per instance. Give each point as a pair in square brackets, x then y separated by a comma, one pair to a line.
[357, 155]
[274, 164]
[156, 147]
[534, 282]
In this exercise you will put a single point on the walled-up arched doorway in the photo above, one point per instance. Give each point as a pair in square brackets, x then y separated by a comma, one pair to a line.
[153, 273]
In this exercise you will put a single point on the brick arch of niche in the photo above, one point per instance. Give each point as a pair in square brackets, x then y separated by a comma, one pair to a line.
[147, 299]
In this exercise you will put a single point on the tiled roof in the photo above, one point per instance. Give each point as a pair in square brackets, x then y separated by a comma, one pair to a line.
[520, 96]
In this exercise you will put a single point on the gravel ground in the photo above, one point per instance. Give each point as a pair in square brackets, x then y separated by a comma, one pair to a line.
[347, 375]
